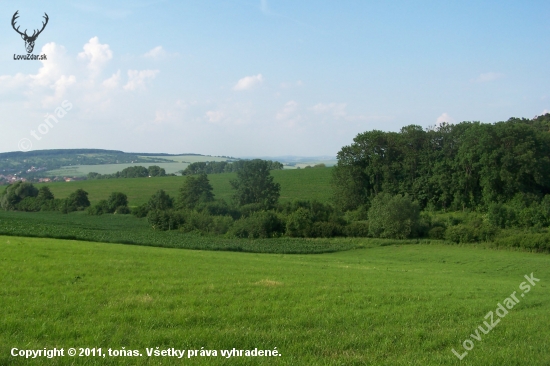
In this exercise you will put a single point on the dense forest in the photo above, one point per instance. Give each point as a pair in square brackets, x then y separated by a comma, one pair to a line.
[469, 165]
[217, 167]
[131, 172]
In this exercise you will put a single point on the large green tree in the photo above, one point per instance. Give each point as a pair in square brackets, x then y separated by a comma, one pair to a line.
[254, 184]
[195, 190]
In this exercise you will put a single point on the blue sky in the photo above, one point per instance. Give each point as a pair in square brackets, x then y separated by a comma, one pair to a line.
[266, 77]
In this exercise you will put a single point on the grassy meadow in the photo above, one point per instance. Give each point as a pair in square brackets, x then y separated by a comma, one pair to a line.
[72, 281]
[381, 305]
[178, 163]
[295, 184]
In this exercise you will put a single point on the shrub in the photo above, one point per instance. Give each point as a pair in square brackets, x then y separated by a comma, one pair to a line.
[100, 208]
[265, 224]
[357, 229]
[501, 216]
[15, 193]
[29, 204]
[115, 200]
[122, 210]
[394, 217]
[460, 234]
[298, 223]
[165, 220]
[196, 221]
[249, 209]
[325, 229]
[470, 234]
[160, 201]
[437, 232]
[220, 225]
[218, 208]
[141, 210]
[78, 200]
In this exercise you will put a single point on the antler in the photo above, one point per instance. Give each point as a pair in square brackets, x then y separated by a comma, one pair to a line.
[43, 25]
[15, 16]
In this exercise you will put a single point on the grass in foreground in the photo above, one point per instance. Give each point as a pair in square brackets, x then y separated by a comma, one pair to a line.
[391, 305]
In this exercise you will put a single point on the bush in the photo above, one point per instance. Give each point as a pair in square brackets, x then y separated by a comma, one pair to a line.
[78, 200]
[141, 210]
[359, 229]
[29, 204]
[437, 232]
[534, 242]
[197, 221]
[325, 229]
[122, 210]
[501, 216]
[100, 208]
[116, 200]
[265, 224]
[251, 208]
[16, 193]
[359, 214]
[460, 234]
[218, 208]
[470, 233]
[298, 223]
[161, 201]
[394, 217]
[220, 225]
[165, 220]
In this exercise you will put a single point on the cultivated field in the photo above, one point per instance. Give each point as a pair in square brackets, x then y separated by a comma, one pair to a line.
[295, 184]
[179, 163]
[382, 305]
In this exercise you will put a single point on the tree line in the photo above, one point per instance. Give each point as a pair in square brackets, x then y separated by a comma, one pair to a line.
[469, 165]
[131, 172]
[216, 167]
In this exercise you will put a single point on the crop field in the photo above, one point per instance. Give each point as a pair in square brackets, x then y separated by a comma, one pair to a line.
[381, 305]
[131, 230]
[295, 184]
[179, 163]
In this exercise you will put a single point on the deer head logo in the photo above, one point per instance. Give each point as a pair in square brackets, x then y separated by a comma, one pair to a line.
[29, 40]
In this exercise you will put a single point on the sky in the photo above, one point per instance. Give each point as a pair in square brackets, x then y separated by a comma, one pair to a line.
[264, 77]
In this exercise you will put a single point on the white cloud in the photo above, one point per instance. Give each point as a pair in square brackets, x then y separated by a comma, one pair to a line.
[545, 111]
[113, 81]
[249, 82]
[335, 109]
[215, 116]
[289, 114]
[156, 53]
[289, 108]
[97, 54]
[444, 118]
[486, 77]
[136, 79]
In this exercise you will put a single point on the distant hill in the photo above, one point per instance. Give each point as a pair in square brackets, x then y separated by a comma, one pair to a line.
[35, 163]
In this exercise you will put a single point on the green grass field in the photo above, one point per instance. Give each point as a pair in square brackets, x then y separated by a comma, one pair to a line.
[383, 305]
[179, 163]
[295, 184]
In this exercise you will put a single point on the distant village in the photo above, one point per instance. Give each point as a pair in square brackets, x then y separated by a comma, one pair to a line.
[9, 178]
